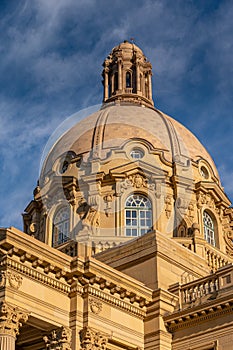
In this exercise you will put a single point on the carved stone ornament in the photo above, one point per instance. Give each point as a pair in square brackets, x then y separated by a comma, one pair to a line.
[59, 339]
[108, 200]
[90, 216]
[95, 306]
[228, 235]
[138, 181]
[11, 319]
[9, 278]
[168, 207]
[92, 340]
[182, 204]
[33, 227]
[205, 199]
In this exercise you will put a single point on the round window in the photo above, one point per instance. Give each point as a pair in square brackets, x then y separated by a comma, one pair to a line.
[137, 153]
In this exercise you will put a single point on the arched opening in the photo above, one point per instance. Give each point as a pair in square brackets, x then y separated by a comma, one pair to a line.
[115, 82]
[61, 226]
[147, 86]
[128, 80]
[138, 215]
[209, 229]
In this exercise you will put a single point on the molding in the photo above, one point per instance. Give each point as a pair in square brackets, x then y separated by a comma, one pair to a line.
[89, 290]
[193, 317]
[35, 275]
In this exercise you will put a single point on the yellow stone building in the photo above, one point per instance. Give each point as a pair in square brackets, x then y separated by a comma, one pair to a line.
[128, 242]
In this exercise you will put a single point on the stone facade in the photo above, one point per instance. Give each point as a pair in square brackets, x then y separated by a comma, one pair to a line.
[127, 243]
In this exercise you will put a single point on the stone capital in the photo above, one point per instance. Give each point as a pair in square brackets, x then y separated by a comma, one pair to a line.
[11, 319]
[91, 339]
[59, 339]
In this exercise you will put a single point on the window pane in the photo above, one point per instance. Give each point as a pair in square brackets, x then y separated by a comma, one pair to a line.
[61, 224]
[138, 215]
[208, 228]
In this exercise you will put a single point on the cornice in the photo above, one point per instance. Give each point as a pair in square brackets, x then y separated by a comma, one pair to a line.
[217, 192]
[112, 300]
[34, 274]
[107, 277]
[194, 316]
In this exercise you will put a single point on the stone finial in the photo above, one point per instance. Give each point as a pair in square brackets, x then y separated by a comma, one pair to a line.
[11, 319]
[92, 340]
[59, 339]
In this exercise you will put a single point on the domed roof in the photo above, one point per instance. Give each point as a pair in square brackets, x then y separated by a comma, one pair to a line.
[114, 124]
[128, 113]
[127, 46]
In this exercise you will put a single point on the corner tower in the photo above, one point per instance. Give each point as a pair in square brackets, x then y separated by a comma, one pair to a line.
[127, 75]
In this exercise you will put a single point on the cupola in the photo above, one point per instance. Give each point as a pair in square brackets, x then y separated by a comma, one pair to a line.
[127, 75]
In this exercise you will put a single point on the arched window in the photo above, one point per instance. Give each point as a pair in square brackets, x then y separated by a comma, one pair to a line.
[208, 228]
[128, 80]
[138, 215]
[61, 226]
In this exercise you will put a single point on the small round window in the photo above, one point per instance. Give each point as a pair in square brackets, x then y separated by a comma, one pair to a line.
[137, 153]
[204, 172]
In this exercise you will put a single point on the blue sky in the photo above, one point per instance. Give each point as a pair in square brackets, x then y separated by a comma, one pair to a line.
[51, 55]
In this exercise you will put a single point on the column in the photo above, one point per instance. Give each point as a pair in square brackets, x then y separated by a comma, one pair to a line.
[150, 86]
[11, 319]
[105, 84]
[119, 75]
[59, 339]
[137, 77]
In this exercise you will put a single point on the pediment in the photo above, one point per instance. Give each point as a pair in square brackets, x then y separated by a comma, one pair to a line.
[215, 191]
[138, 167]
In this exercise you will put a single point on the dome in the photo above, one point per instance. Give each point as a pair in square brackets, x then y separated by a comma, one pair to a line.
[128, 48]
[115, 124]
[126, 170]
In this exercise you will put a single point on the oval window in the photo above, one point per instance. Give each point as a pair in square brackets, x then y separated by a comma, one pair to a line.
[137, 153]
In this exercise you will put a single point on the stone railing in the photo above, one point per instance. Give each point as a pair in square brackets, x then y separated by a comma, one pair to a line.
[203, 289]
[215, 259]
